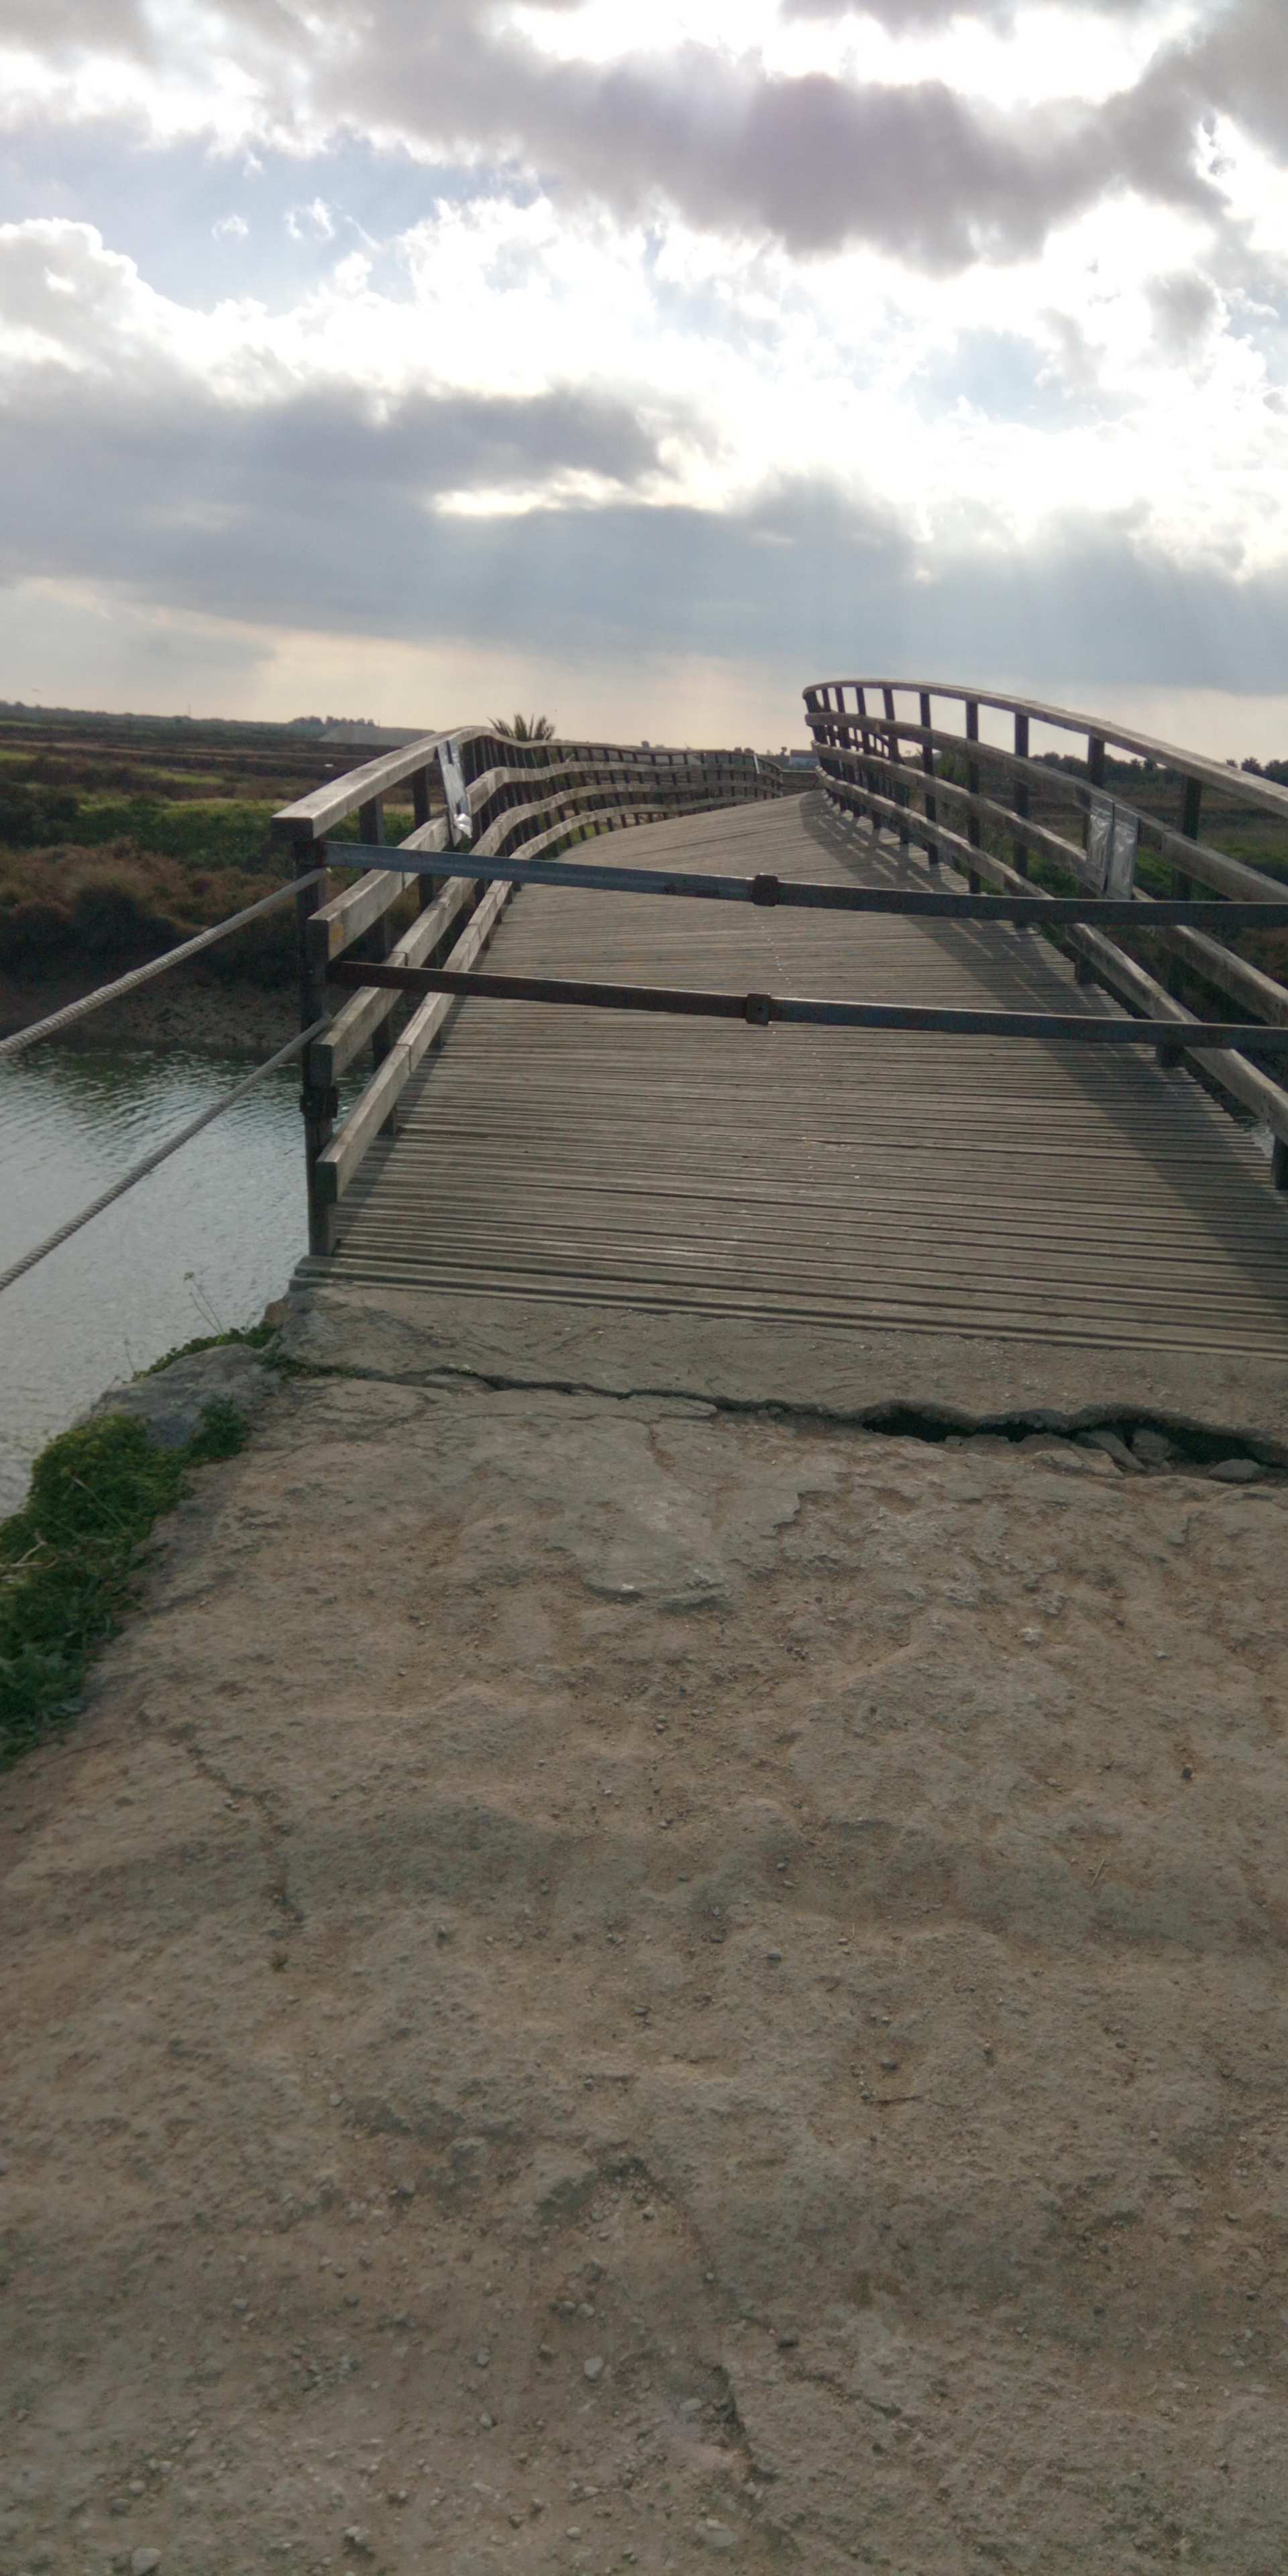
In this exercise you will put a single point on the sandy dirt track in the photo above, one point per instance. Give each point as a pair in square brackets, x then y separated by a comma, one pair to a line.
[610, 1984]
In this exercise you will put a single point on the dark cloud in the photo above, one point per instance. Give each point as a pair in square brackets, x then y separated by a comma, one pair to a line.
[926, 17]
[815, 163]
[313, 515]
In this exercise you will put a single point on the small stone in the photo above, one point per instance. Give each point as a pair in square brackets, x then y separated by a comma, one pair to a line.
[1153, 1446]
[358, 2541]
[594, 2368]
[1236, 1471]
[487, 2423]
[1111, 1446]
[716, 2535]
[145, 2562]
[889, 2065]
[788, 2342]
[774, 1958]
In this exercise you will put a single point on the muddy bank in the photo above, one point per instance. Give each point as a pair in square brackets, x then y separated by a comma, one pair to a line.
[183, 1009]
[606, 1982]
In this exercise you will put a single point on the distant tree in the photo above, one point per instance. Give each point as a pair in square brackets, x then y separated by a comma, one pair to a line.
[524, 728]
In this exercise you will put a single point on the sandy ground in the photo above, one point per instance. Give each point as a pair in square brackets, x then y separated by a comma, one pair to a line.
[611, 1984]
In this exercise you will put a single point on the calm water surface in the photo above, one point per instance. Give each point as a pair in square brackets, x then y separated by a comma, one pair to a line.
[200, 1246]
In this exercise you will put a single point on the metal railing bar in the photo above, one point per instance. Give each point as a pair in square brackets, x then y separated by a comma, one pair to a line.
[578, 876]
[761, 1008]
[140, 975]
[161, 1154]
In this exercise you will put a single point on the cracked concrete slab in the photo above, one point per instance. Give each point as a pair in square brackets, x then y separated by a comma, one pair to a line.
[415, 1337]
[785, 1916]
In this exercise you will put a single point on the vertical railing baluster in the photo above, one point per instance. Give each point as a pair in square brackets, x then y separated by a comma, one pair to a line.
[317, 1101]
[897, 789]
[929, 804]
[974, 832]
[1191, 817]
[422, 790]
[1020, 794]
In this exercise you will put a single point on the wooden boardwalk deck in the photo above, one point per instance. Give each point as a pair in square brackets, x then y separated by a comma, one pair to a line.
[844, 1177]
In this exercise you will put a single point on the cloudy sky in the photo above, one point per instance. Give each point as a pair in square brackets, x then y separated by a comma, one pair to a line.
[411, 358]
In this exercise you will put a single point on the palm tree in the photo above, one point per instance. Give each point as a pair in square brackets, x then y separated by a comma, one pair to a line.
[524, 728]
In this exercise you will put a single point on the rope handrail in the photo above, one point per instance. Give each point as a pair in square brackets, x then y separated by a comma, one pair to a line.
[139, 975]
[160, 1154]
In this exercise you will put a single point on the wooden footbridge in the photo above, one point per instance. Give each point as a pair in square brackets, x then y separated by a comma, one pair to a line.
[832, 1055]
[959, 1039]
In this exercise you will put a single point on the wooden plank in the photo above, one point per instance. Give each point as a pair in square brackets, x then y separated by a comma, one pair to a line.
[335, 925]
[343, 1156]
[365, 1013]
[878, 1182]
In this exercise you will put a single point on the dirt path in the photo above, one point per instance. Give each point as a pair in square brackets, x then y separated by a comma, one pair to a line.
[608, 1984]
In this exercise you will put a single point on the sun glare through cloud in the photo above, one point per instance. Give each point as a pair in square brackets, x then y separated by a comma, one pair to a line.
[744, 339]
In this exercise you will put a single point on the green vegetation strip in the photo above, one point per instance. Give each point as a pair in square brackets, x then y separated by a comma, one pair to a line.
[68, 1560]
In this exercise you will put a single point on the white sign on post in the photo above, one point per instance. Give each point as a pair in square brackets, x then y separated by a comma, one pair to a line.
[1113, 839]
[460, 821]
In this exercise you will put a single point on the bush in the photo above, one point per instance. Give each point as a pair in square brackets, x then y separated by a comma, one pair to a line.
[35, 936]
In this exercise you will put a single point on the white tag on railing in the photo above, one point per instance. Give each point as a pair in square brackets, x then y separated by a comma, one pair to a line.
[460, 821]
[1113, 839]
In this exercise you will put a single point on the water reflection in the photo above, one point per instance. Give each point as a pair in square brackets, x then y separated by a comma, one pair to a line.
[201, 1245]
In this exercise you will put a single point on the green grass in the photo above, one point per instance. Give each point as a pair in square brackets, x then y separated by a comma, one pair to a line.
[250, 1337]
[69, 1558]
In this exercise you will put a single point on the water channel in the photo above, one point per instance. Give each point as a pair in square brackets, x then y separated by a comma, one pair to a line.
[201, 1245]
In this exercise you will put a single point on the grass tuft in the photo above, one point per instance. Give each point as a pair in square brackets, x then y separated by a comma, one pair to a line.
[69, 1558]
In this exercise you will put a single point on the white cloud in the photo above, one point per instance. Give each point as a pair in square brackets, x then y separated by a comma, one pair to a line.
[313, 222]
[976, 286]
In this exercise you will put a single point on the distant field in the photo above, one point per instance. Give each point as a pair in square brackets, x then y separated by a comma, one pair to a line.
[120, 837]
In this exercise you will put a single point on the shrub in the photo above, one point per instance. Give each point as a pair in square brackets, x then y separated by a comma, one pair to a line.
[35, 935]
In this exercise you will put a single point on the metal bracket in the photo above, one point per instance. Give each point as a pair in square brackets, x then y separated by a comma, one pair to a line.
[320, 1101]
[759, 1010]
[766, 889]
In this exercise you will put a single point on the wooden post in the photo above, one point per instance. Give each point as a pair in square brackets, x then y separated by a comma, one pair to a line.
[895, 756]
[318, 1103]
[1020, 794]
[928, 772]
[974, 829]
[1191, 817]
[421, 794]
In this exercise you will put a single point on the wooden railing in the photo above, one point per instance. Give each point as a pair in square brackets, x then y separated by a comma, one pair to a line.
[476, 794]
[886, 752]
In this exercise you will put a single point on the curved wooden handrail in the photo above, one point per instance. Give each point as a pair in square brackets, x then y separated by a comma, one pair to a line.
[866, 771]
[481, 795]
[1165, 755]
